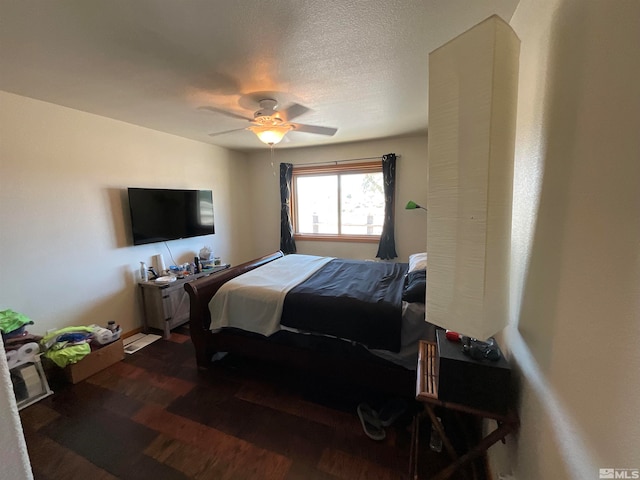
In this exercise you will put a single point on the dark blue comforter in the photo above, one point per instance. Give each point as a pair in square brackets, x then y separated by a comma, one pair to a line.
[351, 299]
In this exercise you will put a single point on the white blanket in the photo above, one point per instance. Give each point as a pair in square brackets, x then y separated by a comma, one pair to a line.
[253, 301]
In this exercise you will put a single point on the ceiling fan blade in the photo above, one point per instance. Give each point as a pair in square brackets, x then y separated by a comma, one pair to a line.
[226, 131]
[293, 111]
[299, 127]
[225, 112]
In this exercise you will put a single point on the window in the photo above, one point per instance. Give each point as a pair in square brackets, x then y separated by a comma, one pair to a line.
[338, 202]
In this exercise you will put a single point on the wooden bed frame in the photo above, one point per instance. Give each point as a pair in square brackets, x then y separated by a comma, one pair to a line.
[350, 364]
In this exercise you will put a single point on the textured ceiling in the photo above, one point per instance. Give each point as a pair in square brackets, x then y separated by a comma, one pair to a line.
[360, 66]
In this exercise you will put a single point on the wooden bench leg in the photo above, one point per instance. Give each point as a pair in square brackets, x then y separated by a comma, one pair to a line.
[413, 455]
[498, 434]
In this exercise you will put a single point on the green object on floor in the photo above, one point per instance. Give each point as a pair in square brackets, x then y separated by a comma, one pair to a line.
[61, 352]
[10, 321]
[50, 338]
[69, 354]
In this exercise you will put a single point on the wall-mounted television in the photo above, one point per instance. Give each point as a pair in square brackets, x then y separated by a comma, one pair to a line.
[158, 215]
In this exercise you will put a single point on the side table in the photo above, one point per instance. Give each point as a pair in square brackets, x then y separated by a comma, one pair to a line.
[166, 305]
[427, 394]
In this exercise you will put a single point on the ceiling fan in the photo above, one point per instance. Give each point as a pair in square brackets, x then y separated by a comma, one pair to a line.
[271, 124]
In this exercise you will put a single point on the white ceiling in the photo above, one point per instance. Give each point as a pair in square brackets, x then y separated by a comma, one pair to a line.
[360, 66]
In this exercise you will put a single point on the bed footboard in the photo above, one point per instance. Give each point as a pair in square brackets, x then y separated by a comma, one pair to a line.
[201, 291]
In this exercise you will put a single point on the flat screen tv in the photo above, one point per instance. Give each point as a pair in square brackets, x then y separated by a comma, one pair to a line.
[158, 215]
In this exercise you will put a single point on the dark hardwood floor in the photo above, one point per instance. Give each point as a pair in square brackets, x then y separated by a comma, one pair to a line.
[155, 416]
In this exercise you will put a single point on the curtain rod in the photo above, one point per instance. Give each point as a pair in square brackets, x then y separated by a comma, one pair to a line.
[335, 162]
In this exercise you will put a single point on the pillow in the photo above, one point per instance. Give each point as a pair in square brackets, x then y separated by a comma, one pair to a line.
[417, 261]
[415, 288]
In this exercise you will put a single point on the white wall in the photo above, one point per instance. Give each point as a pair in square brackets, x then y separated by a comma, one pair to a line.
[576, 240]
[411, 184]
[65, 251]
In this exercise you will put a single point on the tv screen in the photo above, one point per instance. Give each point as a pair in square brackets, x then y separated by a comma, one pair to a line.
[158, 215]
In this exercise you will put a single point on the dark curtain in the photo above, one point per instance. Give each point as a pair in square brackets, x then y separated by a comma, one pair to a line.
[287, 243]
[387, 246]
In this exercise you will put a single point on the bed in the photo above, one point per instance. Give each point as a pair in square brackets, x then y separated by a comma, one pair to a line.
[307, 329]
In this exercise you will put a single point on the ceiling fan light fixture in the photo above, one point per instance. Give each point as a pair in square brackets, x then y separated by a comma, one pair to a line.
[270, 134]
[271, 125]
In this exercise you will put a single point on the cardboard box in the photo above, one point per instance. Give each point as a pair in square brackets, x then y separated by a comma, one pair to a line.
[94, 362]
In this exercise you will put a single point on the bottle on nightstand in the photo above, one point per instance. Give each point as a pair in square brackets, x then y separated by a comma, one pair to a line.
[144, 273]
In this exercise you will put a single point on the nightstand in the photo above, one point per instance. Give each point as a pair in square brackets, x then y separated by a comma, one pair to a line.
[427, 393]
[166, 305]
